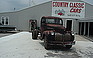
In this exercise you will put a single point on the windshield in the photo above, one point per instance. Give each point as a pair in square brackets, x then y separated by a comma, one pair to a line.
[54, 21]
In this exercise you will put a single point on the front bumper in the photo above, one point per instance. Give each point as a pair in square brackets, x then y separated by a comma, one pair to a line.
[61, 43]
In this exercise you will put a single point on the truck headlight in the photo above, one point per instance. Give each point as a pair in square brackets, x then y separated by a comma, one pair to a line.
[52, 33]
[73, 34]
[15, 29]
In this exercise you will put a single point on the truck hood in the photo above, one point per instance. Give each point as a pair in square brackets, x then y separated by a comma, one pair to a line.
[55, 26]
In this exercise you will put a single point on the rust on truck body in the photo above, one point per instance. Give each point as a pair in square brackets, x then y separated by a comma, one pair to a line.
[54, 33]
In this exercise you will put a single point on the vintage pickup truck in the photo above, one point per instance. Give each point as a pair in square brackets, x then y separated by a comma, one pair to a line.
[54, 33]
[5, 28]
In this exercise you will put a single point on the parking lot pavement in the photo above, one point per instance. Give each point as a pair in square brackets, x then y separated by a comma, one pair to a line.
[21, 45]
[80, 38]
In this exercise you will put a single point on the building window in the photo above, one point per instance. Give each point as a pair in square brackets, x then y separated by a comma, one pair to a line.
[2, 21]
[5, 20]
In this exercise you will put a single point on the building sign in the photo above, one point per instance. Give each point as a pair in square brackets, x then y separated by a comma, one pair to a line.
[66, 9]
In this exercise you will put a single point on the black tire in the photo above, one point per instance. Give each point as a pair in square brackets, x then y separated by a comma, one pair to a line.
[46, 45]
[34, 34]
[73, 38]
[68, 46]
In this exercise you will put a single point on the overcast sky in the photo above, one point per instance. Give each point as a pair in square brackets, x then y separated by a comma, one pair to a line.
[9, 5]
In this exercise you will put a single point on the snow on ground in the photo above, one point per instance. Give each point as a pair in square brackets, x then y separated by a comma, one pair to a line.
[21, 45]
[84, 49]
[14, 36]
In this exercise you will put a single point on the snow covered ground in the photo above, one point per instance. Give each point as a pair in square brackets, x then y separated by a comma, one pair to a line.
[21, 45]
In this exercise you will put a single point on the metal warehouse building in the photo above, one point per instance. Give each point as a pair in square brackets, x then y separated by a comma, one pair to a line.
[77, 15]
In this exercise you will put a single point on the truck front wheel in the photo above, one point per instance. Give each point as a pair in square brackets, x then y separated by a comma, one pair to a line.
[68, 46]
[46, 45]
[34, 34]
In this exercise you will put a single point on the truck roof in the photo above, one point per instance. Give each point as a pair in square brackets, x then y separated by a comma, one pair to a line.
[51, 17]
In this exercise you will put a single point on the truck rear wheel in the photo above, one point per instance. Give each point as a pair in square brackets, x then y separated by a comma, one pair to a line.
[46, 45]
[34, 34]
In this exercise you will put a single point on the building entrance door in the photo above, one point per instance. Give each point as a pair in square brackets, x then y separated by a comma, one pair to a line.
[69, 25]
